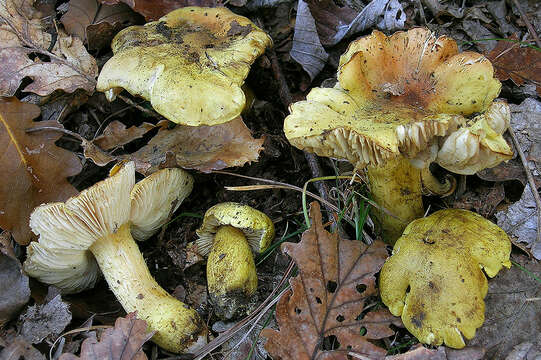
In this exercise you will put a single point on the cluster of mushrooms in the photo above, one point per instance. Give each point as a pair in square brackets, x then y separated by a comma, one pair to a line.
[401, 102]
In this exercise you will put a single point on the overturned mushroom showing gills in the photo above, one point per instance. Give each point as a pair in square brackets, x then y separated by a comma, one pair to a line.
[92, 232]
[190, 64]
[230, 235]
[434, 278]
[400, 103]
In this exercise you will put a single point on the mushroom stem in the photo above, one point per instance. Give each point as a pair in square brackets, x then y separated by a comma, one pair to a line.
[178, 327]
[396, 186]
[231, 273]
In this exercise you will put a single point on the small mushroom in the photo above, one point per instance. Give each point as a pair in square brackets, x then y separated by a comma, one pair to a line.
[434, 278]
[230, 235]
[190, 64]
[93, 231]
[400, 103]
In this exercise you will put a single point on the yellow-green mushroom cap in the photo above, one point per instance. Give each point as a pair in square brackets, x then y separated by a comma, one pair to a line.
[190, 64]
[434, 279]
[394, 96]
[255, 225]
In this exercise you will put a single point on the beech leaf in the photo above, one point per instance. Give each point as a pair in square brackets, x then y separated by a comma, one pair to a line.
[117, 134]
[63, 63]
[155, 9]
[34, 169]
[335, 279]
[123, 342]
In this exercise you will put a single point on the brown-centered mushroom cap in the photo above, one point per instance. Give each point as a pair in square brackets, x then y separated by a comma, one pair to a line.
[190, 64]
[394, 96]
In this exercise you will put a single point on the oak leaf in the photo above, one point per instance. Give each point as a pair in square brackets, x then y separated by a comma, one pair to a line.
[26, 50]
[520, 64]
[117, 134]
[96, 24]
[335, 279]
[122, 342]
[34, 170]
[155, 9]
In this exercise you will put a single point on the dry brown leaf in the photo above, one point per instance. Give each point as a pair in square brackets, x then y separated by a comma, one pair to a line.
[203, 148]
[520, 64]
[34, 169]
[328, 295]
[155, 9]
[116, 134]
[96, 24]
[26, 50]
[122, 342]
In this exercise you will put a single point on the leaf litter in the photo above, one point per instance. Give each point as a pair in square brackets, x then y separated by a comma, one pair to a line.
[335, 281]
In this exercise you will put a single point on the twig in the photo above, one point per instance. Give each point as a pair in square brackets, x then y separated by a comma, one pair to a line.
[129, 101]
[53, 128]
[531, 29]
[531, 181]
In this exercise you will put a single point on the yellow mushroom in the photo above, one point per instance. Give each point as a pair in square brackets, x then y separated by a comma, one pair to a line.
[434, 278]
[93, 231]
[190, 64]
[402, 102]
[230, 235]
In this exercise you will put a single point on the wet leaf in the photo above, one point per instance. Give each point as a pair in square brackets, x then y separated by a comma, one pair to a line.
[95, 23]
[336, 277]
[155, 9]
[509, 58]
[513, 310]
[42, 321]
[203, 148]
[26, 50]
[122, 342]
[15, 289]
[34, 169]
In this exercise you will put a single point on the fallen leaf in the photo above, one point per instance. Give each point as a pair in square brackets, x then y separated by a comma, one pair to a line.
[203, 148]
[509, 58]
[419, 352]
[513, 311]
[26, 50]
[116, 134]
[18, 348]
[520, 221]
[34, 169]
[97, 23]
[335, 278]
[43, 321]
[15, 289]
[526, 351]
[155, 9]
[306, 48]
[122, 342]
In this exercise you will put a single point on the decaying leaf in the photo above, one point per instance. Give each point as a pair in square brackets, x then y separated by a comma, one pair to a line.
[97, 23]
[122, 342]
[203, 148]
[419, 352]
[335, 279]
[513, 310]
[42, 321]
[26, 50]
[15, 289]
[16, 348]
[509, 59]
[117, 134]
[155, 9]
[34, 170]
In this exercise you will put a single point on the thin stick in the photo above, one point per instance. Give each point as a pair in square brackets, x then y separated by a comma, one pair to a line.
[531, 181]
[531, 29]
[129, 101]
[52, 128]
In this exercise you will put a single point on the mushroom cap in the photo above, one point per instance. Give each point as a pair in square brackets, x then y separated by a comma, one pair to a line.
[440, 260]
[155, 197]
[393, 97]
[61, 256]
[256, 226]
[190, 64]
